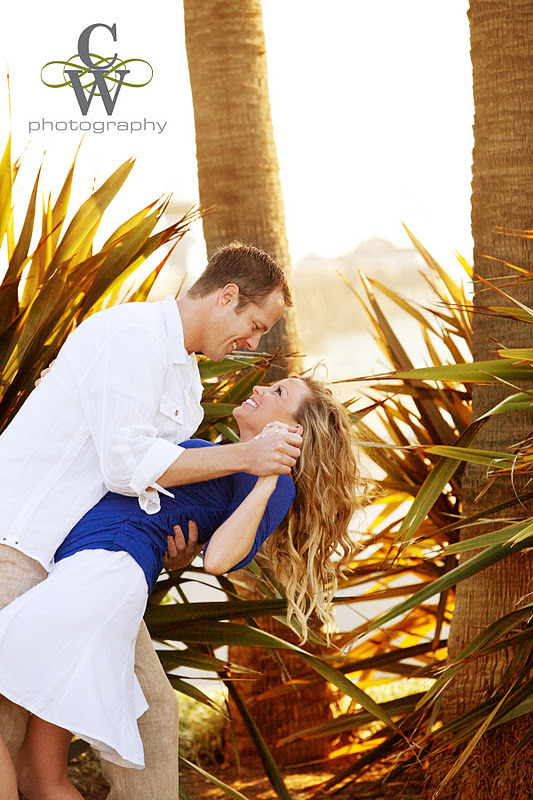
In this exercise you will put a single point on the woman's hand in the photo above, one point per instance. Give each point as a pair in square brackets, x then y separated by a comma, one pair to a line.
[180, 553]
[268, 481]
[273, 427]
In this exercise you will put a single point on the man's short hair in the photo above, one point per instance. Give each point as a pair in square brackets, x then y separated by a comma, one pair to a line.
[252, 270]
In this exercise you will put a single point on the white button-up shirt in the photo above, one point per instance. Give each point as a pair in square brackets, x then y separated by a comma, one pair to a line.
[121, 395]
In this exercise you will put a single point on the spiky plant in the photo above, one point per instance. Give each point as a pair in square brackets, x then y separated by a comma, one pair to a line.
[397, 427]
[410, 548]
[55, 278]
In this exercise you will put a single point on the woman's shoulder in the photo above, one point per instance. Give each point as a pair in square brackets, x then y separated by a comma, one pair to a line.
[285, 488]
[243, 482]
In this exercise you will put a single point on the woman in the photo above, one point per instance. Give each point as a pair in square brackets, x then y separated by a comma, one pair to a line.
[70, 661]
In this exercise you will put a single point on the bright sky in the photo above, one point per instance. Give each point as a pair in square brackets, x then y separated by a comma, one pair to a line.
[371, 102]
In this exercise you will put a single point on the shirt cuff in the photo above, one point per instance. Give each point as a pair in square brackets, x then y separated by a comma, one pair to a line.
[160, 455]
[149, 500]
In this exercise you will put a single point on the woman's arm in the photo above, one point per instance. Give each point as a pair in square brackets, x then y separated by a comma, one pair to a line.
[233, 540]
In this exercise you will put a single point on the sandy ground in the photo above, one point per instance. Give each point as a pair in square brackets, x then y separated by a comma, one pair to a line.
[302, 785]
[87, 777]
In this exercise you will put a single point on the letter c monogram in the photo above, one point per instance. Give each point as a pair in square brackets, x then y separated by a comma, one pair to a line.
[84, 50]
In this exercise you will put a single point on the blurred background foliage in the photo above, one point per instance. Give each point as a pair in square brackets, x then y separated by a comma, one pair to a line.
[54, 277]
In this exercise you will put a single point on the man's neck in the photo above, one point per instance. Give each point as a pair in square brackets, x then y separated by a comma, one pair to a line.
[192, 313]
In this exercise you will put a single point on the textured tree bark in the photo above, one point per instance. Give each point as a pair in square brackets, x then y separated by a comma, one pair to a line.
[307, 702]
[502, 196]
[238, 176]
[238, 169]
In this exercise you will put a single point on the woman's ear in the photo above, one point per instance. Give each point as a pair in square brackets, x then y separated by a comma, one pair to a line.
[299, 430]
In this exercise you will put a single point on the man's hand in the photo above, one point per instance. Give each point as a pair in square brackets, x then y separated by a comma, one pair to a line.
[180, 553]
[275, 450]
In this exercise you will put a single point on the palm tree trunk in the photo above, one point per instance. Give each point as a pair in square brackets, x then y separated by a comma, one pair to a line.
[284, 697]
[238, 176]
[238, 169]
[502, 195]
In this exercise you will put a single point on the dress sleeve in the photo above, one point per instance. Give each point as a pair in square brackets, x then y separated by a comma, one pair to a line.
[278, 505]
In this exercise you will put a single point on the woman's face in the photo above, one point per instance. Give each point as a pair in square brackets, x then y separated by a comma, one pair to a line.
[276, 403]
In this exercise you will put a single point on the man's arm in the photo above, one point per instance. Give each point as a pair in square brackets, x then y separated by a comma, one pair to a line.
[273, 452]
[119, 373]
[119, 403]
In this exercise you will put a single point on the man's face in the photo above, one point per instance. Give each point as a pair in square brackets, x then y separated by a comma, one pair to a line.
[232, 328]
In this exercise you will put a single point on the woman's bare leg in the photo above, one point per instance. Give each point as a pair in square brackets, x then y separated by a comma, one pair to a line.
[42, 763]
[8, 778]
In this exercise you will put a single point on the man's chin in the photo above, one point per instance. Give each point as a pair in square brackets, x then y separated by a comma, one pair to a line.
[216, 356]
[220, 356]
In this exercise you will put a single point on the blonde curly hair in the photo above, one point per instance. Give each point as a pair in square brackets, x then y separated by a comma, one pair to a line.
[312, 545]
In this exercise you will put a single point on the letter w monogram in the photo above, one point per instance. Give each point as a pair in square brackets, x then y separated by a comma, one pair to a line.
[85, 101]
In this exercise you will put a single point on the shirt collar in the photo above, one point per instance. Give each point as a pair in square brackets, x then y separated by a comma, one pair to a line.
[175, 331]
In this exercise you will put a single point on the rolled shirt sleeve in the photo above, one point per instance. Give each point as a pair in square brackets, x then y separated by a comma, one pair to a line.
[152, 466]
[120, 391]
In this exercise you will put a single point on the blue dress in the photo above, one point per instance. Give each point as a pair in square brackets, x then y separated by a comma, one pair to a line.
[67, 646]
[118, 523]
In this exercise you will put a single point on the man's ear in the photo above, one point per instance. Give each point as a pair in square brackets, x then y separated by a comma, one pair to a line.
[228, 295]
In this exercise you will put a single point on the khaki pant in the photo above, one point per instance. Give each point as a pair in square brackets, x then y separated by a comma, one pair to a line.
[158, 725]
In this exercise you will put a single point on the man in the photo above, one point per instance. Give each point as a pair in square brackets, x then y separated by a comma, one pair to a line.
[123, 392]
